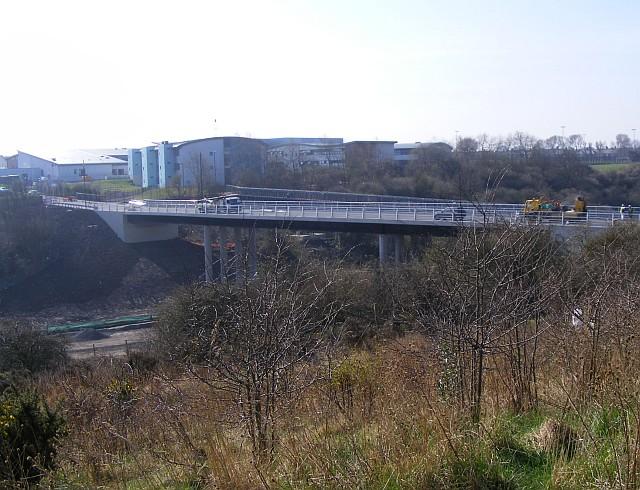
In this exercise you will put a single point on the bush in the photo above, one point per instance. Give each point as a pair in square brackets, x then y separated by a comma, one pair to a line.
[25, 348]
[354, 384]
[29, 432]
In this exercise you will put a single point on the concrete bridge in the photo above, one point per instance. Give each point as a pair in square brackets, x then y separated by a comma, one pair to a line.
[152, 220]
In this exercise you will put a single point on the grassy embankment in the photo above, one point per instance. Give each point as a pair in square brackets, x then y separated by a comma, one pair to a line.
[377, 420]
[614, 167]
[118, 186]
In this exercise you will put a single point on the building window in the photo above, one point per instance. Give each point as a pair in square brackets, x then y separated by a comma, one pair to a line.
[75, 171]
[114, 171]
[120, 171]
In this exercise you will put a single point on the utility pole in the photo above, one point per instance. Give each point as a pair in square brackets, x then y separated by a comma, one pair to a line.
[633, 143]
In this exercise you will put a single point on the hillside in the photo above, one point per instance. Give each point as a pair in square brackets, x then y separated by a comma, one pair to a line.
[86, 270]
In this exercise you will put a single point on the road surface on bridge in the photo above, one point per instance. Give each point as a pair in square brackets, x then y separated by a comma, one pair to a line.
[437, 214]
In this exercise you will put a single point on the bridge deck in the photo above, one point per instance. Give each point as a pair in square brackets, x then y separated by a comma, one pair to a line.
[378, 217]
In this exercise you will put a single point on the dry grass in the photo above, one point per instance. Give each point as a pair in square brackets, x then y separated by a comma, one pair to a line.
[165, 429]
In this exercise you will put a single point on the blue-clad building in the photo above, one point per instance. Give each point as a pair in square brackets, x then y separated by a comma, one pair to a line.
[134, 166]
[167, 164]
[149, 159]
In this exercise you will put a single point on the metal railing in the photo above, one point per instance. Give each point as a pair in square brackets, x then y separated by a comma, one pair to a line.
[405, 213]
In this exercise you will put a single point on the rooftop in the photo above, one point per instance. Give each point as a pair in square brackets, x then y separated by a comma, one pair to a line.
[88, 157]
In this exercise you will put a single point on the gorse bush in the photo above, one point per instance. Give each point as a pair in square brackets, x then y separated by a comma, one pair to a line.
[29, 433]
[25, 348]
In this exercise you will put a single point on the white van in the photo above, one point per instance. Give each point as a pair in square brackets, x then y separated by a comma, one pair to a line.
[225, 204]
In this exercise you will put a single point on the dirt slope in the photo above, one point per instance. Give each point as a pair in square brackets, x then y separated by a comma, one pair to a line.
[96, 273]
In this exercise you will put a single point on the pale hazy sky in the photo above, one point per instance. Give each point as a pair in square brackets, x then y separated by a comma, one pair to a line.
[93, 73]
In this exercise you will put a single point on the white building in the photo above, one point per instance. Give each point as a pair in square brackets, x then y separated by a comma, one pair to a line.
[71, 166]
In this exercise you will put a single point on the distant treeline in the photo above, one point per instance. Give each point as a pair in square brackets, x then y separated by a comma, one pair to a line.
[438, 171]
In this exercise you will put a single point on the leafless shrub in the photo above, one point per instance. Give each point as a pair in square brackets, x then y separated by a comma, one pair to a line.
[255, 343]
[484, 297]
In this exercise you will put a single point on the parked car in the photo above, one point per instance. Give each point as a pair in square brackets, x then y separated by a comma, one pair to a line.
[450, 214]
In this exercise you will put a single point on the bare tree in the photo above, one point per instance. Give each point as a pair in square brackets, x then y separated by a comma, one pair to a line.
[523, 142]
[260, 338]
[604, 304]
[623, 141]
[481, 298]
[554, 143]
[467, 145]
[576, 142]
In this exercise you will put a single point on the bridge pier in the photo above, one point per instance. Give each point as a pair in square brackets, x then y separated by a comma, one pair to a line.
[398, 248]
[207, 243]
[252, 255]
[239, 255]
[384, 248]
[224, 262]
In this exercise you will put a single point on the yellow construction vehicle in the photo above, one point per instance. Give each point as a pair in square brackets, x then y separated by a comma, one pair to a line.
[578, 212]
[580, 205]
[541, 205]
[541, 208]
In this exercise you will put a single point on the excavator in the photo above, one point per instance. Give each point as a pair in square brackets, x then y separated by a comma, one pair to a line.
[541, 208]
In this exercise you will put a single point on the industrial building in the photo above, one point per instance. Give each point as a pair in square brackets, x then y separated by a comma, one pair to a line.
[299, 152]
[206, 161]
[369, 151]
[404, 153]
[77, 165]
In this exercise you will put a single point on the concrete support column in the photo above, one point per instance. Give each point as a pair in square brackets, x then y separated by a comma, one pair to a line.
[240, 259]
[382, 248]
[398, 248]
[207, 243]
[252, 255]
[224, 264]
